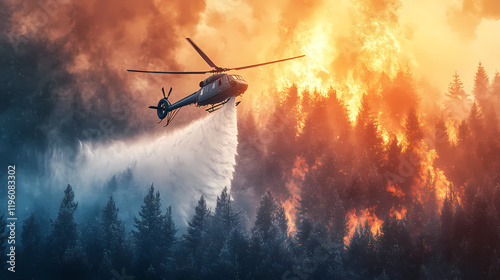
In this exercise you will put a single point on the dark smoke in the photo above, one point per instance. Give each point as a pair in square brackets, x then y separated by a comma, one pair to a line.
[63, 70]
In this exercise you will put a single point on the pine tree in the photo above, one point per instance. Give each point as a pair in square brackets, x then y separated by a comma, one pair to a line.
[460, 227]
[416, 217]
[270, 212]
[443, 146]
[393, 152]
[225, 216]
[307, 211]
[481, 85]
[456, 89]
[196, 225]
[168, 231]
[265, 214]
[476, 121]
[374, 144]
[446, 237]
[338, 115]
[193, 238]
[30, 235]
[67, 253]
[282, 130]
[361, 252]
[105, 266]
[148, 232]
[112, 232]
[281, 218]
[413, 130]
[429, 195]
[269, 247]
[112, 185]
[220, 225]
[224, 239]
[366, 129]
[31, 238]
[483, 237]
[315, 137]
[339, 221]
[364, 116]
[74, 263]
[91, 237]
[285, 120]
[64, 233]
[399, 95]
[463, 135]
[395, 247]
[457, 101]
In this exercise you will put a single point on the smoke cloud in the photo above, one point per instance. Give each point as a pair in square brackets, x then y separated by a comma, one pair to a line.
[466, 18]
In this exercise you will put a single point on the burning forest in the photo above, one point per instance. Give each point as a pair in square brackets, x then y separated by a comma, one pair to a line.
[376, 156]
[391, 179]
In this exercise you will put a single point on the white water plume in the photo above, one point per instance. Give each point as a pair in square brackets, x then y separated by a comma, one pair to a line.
[183, 164]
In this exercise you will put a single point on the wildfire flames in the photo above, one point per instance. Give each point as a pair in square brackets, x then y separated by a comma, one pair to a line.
[379, 52]
[359, 219]
[368, 57]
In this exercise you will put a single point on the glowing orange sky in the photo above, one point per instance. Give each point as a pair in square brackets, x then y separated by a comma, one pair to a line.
[432, 38]
[347, 42]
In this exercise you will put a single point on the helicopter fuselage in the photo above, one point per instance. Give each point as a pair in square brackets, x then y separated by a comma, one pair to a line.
[215, 89]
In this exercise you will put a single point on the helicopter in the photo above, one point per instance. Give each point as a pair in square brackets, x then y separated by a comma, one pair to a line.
[215, 91]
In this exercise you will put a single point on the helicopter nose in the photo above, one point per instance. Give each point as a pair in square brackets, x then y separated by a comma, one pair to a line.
[243, 86]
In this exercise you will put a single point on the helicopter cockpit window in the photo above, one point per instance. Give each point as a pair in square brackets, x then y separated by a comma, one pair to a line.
[220, 82]
[230, 77]
[213, 85]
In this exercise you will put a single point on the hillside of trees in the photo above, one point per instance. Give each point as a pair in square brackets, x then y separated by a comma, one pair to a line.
[432, 179]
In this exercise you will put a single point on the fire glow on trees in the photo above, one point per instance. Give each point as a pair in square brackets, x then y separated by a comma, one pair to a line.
[356, 101]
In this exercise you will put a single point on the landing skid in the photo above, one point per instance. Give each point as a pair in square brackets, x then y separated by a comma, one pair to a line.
[217, 106]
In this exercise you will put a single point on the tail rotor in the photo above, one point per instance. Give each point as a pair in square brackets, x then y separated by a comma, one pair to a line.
[163, 108]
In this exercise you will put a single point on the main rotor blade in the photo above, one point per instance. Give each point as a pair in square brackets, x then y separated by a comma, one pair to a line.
[205, 57]
[163, 72]
[265, 63]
